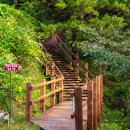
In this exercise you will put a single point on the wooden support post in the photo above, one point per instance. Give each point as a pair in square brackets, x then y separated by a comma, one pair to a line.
[42, 92]
[28, 99]
[94, 104]
[90, 106]
[77, 65]
[61, 92]
[46, 70]
[101, 89]
[53, 96]
[53, 69]
[78, 109]
[70, 56]
[86, 70]
[98, 98]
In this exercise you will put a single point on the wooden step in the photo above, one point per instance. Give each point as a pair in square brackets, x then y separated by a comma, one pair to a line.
[67, 79]
[73, 85]
[71, 78]
[67, 72]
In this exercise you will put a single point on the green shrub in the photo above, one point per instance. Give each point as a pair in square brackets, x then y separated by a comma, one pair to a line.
[18, 45]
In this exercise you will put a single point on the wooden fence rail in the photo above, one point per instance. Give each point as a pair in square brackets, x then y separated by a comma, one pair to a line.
[42, 97]
[94, 104]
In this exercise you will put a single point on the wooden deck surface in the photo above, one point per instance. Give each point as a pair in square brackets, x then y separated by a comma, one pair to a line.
[58, 117]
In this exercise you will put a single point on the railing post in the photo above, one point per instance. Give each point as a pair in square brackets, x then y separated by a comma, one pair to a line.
[77, 65]
[98, 98]
[101, 89]
[28, 99]
[90, 106]
[46, 70]
[42, 92]
[95, 100]
[78, 109]
[86, 71]
[71, 63]
[53, 96]
[61, 92]
[53, 69]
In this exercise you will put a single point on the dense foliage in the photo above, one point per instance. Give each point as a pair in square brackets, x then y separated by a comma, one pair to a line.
[18, 45]
[99, 30]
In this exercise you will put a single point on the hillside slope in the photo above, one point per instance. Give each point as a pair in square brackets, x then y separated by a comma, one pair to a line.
[18, 45]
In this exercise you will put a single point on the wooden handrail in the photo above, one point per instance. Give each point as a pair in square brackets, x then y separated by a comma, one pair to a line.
[54, 64]
[46, 95]
[46, 83]
[72, 54]
[74, 62]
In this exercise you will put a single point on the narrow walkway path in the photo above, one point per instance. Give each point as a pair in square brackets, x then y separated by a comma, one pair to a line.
[58, 117]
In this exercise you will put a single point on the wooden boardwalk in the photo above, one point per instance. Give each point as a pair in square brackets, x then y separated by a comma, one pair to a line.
[58, 117]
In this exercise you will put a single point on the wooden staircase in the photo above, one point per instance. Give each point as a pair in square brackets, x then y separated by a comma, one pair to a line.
[64, 83]
[71, 78]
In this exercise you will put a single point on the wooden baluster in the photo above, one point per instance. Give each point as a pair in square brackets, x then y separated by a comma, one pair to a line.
[78, 109]
[98, 98]
[101, 89]
[94, 104]
[86, 71]
[53, 96]
[28, 99]
[46, 70]
[77, 65]
[53, 69]
[61, 92]
[42, 92]
[71, 63]
[90, 106]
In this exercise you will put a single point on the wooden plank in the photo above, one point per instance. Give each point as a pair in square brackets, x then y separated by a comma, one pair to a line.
[101, 91]
[46, 70]
[28, 99]
[78, 109]
[46, 83]
[53, 95]
[86, 71]
[61, 92]
[42, 102]
[53, 69]
[46, 95]
[94, 104]
[90, 106]
[56, 118]
[98, 98]
[77, 66]
[70, 56]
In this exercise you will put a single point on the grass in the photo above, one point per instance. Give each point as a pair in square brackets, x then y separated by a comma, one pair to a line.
[18, 121]
[20, 126]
